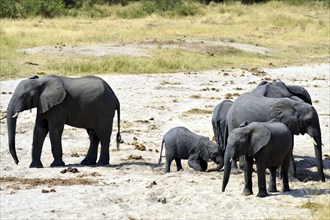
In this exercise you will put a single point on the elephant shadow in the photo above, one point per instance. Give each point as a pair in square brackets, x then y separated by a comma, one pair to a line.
[307, 192]
[121, 165]
[304, 163]
[302, 193]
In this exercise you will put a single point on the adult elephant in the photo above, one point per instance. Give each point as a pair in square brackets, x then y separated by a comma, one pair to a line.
[219, 121]
[299, 117]
[85, 102]
[278, 89]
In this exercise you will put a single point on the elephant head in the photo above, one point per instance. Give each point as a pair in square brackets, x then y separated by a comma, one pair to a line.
[245, 140]
[278, 89]
[301, 118]
[30, 93]
[209, 150]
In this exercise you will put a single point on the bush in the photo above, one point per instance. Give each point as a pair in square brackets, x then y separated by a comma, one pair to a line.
[27, 8]
[8, 9]
[170, 7]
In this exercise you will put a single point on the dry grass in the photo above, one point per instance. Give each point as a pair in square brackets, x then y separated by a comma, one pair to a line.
[295, 35]
[319, 211]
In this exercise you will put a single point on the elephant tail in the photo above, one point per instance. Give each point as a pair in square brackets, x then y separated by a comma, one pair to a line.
[161, 151]
[118, 138]
[225, 137]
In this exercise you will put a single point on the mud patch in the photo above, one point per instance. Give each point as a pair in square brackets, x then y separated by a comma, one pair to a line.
[197, 111]
[26, 183]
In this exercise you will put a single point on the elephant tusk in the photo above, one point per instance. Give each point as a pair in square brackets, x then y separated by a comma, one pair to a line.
[314, 142]
[16, 115]
[231, 159]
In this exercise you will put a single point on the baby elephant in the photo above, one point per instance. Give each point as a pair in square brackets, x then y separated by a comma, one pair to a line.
[270, 143]
[180, 143]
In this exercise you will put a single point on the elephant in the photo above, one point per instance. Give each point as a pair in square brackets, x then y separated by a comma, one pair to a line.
[181, 143]
[85, 102]
[277, 89]
[270, 143]
[219, 121]
[299, 117]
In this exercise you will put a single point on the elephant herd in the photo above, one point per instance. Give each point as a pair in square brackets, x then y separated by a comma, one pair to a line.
[259, 125]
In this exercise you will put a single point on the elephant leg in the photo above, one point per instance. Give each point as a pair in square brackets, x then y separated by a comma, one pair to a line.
[261, 178]
[203, 164]
[292, 165]
[178, 164]
[248, 176]
[91, 156]
[195, 164]
[285, 173]
[104, 133]
[168, 165]
[55, 135]
[39, 134]
[272, 180]
[104, 154]
[234, 168]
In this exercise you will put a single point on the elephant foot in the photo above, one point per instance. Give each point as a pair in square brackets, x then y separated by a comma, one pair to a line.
[272, 188]
[36, 164]
[262, 194]
[58, 163]
[247, 192]
[103, 163]
[286, 189]
[88, 162]
[235, 171]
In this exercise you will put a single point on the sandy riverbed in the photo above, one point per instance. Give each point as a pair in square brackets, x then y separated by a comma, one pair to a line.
[135, 186]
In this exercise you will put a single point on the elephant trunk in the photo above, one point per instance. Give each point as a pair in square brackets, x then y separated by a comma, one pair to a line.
[226, 173]
[314, 131]
[11, 126]
[318, 156]
[218, 168]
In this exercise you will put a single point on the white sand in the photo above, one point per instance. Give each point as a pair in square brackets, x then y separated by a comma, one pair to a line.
[125, 189]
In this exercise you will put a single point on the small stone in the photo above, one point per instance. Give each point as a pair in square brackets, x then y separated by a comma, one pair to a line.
[45, 191]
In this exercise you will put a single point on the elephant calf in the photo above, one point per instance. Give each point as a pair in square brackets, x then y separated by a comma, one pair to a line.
[270, 143]
[180, 143]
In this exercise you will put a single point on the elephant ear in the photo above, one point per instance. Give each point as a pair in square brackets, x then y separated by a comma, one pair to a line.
[259, 137]
[201, 148]
[284, 111]
[300, 92]
[52, 93]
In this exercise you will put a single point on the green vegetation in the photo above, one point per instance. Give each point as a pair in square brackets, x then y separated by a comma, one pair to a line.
[293, 34]
[95, 8]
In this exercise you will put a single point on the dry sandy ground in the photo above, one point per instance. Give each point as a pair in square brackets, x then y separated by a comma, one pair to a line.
[135, 186]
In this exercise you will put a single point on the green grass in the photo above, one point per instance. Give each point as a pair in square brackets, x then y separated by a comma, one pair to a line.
[295, 35]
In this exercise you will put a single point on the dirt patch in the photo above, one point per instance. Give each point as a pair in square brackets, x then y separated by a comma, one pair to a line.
[94, 50]
[132, 158]
[27, 183]
[141, 49]
[198, 111]
[210, 47]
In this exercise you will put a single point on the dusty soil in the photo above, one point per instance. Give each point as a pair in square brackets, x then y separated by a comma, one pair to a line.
[142, 48]
[134, 186]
